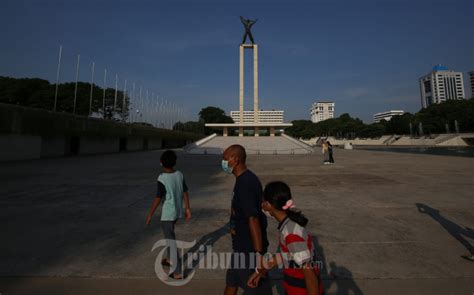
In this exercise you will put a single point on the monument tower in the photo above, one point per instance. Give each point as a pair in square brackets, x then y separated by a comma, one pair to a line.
[254, 48]
[255, 119]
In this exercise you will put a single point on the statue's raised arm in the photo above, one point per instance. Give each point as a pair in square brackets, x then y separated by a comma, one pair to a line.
[252, 22]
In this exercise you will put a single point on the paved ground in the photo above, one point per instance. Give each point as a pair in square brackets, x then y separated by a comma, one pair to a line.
[76, 225]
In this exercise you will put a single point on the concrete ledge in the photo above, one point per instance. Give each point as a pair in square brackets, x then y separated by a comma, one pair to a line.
[98, 145]
[19, 147]
[53, 146]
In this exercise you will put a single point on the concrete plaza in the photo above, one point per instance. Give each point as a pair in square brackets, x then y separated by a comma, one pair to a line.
[77, 225]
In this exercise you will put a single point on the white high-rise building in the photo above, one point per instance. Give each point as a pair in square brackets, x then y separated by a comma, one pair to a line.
[471, 79]
[441, 85]
[321, 111]
[387, 116]
[263, 116]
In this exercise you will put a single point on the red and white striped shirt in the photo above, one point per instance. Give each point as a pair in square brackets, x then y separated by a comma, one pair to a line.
[297, 248]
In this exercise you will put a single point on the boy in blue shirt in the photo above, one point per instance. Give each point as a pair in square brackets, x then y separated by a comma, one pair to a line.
[173, 190]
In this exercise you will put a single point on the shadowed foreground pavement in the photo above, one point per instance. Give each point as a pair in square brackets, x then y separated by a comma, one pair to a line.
[384, 223]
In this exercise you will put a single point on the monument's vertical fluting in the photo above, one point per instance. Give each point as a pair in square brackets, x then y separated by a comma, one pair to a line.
[255, 82]
[241, 86]
[254, 48]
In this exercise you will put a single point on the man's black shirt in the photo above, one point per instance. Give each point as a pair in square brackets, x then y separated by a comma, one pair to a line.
[246, 203]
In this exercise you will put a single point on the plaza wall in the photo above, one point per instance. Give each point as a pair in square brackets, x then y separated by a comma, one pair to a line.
[27, 133]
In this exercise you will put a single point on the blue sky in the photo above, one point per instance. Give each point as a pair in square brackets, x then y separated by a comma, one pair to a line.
[366, 56]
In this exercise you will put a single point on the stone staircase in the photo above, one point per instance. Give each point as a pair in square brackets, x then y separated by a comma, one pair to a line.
[270, 145]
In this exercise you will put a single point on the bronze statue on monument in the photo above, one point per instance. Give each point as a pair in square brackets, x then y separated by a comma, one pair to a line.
[248, 23]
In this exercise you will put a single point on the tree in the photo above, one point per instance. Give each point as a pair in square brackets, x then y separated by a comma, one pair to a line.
[398, 124]
[301, 129]
[374, 130]
[214, 115]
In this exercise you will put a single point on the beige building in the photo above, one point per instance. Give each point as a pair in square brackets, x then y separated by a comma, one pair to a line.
[321, 111]
[263, 116]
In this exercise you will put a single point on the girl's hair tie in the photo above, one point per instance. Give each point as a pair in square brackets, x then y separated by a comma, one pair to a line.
[288, 205]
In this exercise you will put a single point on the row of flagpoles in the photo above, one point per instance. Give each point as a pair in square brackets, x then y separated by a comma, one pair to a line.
[145, 106]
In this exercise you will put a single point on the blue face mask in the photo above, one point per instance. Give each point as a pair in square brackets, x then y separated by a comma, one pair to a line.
[226, 168]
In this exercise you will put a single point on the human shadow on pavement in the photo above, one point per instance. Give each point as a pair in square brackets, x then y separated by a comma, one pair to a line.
[335, 274]
[342, 277]
[458, 232]
[198, 251]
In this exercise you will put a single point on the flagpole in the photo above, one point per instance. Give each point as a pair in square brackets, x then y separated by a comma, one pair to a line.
[92, 87]
[132, 116]
[145, 109]
[105, 87]
[116, 89]
[141, 100]
[75, 87]
[57, 77]
[123, 103]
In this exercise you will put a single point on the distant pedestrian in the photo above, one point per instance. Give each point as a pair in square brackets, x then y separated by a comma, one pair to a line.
[330, 151]
[325, 151]
[172, 189]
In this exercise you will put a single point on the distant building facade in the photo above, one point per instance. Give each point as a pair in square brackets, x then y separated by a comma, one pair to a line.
[263, 116]
[322, 110]
[387, 116]
[471, 79]
[441, 85]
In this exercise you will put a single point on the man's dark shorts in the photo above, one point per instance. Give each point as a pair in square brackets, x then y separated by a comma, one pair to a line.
[239, 278]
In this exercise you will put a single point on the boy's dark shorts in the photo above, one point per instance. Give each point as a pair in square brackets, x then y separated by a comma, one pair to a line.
[239, 277]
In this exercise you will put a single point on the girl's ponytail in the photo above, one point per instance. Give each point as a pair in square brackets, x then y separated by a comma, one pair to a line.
[297, 216]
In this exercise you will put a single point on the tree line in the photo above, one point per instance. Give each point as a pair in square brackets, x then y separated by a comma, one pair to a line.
[39, 93]
[449, 116]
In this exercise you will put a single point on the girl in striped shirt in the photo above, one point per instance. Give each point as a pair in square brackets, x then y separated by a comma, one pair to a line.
[301, 273]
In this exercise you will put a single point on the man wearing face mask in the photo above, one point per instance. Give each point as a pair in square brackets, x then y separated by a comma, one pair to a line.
[249, 233]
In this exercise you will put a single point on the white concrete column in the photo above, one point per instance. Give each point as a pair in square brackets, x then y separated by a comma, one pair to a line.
[272, 131]
[255, 83]
[241, 131]
[241, 85]
[226, 131]
[257, 130]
